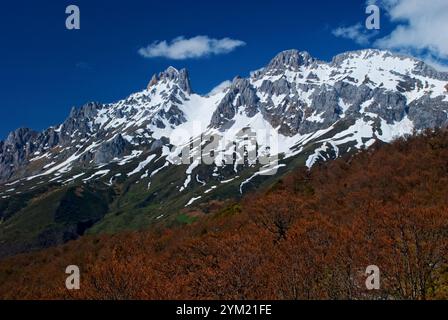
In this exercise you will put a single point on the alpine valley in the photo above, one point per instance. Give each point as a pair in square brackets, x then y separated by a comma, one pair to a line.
[111, 167]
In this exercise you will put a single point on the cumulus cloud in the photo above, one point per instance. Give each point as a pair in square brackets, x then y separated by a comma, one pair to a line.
[357, 33]
[419, 29]
[421, 26]
[182, 48]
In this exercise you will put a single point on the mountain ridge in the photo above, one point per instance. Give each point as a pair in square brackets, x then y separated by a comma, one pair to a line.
[296, 111]
[247, 93]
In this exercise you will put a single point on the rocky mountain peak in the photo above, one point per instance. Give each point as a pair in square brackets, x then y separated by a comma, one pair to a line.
[378, 57]
[290, 60]
[88, 110]
[365, 54]
[20, 136]
[171, 74]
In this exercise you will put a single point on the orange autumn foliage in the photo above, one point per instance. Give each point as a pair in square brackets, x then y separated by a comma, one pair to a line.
[311, 236]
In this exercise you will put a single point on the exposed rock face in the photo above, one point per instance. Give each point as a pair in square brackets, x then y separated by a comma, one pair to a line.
[15, 151]
[308, 103]
[428, 113]
[115, 148]
[291, 60]
[153, 82]
[181, 78]
[240, 94]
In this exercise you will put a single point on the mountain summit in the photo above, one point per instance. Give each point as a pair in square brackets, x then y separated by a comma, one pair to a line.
[290, 60]
[172, 74]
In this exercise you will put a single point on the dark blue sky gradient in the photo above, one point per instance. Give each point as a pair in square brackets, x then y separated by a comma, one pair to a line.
[46, 69]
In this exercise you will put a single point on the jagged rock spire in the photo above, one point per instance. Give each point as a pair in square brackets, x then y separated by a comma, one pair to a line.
[20, 136]
[290, 59]
[180, 77]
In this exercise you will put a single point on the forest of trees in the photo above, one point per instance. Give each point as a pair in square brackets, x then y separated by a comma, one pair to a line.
[310, 236]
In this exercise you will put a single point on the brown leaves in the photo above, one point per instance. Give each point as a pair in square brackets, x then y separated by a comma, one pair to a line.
[309, 237]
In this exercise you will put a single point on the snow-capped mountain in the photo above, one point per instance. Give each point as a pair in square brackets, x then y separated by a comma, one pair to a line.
[311, 111]
[385, 95]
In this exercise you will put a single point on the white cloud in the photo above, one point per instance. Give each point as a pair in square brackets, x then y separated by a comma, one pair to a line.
[181, 48]
[357, 33]
[422, 26]
[420, 30]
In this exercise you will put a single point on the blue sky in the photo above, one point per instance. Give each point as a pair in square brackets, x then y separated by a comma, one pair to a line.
[46, 69]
